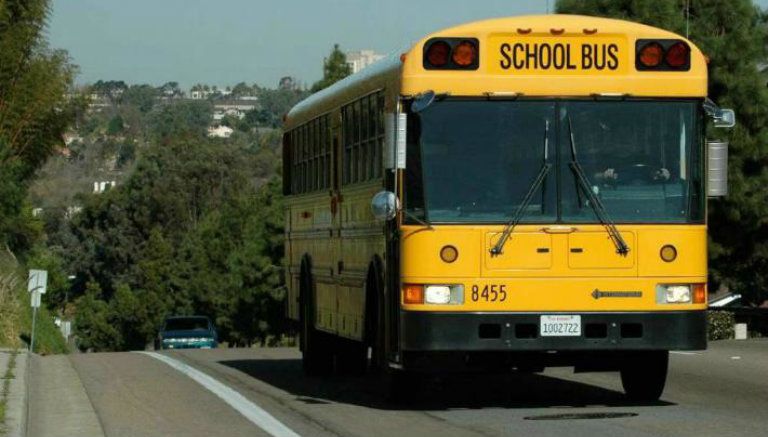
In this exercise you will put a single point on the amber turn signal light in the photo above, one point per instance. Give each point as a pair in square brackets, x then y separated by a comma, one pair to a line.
[668, 253]
[413, 294]
[699, 293]
[464, 54]
[449, 254]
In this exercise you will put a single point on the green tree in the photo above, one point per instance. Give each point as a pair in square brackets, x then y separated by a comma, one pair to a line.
[51, 260]
[732, 33]
[92, 327]
[335, 68]
[115, 125]
[34, 108]
[241, 89]
[181, 118]
[142, 97]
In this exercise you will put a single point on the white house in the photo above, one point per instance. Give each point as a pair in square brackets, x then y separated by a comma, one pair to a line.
[359, 59]
[220, 131]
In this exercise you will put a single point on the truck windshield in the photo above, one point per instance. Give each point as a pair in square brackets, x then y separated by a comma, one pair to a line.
[471, 161]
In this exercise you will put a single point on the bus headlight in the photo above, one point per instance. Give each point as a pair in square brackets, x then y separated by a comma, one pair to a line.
[444, 294]
[673, 293]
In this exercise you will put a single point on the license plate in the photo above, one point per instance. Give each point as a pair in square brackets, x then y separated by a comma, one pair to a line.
[560, 326]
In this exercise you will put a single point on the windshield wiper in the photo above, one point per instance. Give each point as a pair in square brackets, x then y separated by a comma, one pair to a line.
[593, 200]
[535, 184]
[418, 220]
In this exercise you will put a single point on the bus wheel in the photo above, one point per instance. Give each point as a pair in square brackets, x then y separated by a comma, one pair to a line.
[644, 374]
[317, 353]
[351, 357]
[374, 322]
[400, 385]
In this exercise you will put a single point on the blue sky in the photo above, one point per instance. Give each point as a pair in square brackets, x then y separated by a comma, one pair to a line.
[257, 41]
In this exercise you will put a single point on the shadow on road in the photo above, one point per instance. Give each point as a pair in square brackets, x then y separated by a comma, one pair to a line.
[459, 391]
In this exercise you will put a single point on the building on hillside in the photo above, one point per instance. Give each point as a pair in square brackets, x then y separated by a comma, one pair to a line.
[71, 137]
[102, 186]
[199, 93]
[72, 211]
[359, 59]
[220, 132]
[234, 107]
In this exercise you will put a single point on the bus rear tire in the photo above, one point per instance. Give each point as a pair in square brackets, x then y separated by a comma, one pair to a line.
[644, 374]
[317, 351]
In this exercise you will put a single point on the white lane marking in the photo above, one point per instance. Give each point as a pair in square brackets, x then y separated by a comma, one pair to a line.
[736, 358]
[251, 411]
[684, 353]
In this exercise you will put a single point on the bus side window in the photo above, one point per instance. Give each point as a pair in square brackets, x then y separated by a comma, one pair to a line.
[347, 145]
[287, 163]
[372, 134]
[377, 163]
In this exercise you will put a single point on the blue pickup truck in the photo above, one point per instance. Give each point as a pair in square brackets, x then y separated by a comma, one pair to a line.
[187, 332]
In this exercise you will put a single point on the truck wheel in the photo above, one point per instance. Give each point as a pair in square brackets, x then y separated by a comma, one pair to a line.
[644, 375]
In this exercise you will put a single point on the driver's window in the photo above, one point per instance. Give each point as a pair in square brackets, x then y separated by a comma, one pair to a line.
[635, 155]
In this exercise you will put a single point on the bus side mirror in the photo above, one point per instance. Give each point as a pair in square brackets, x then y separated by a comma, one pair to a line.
[724, 118]
[384, 205]
[717, 168]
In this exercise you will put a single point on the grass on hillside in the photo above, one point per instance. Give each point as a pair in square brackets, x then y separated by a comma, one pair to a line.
[16, 318]
[6, 386]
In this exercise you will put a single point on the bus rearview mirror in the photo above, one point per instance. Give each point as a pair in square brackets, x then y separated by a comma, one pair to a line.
[724, 118]
[384, 205]
[717, 168]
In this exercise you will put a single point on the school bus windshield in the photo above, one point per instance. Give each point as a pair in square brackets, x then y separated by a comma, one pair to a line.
[473, 161]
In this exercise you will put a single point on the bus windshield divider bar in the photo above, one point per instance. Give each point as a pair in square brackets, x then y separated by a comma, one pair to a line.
[593, 200]
[537, 182]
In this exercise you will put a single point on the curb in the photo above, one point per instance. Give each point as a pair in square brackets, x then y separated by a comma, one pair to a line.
[16, 407]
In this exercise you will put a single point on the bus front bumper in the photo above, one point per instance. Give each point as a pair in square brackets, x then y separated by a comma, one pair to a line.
[423, 331]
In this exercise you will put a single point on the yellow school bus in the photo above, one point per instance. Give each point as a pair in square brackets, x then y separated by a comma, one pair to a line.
[508, 194]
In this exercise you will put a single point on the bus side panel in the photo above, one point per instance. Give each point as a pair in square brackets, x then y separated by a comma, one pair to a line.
[361, 240]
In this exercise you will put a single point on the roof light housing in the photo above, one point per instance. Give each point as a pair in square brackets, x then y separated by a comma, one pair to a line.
[662, 55]
[451, 54]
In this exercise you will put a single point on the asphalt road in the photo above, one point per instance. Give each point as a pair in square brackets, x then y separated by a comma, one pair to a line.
[720, 392]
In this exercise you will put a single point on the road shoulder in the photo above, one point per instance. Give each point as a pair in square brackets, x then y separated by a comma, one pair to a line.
[58, 403]
[13, 365]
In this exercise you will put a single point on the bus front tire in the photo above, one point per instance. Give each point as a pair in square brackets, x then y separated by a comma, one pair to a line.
[400, 385]
[352, 357]
[644, 374]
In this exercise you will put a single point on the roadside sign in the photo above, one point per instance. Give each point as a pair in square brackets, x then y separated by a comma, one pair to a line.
[38, 280]
[35, 300]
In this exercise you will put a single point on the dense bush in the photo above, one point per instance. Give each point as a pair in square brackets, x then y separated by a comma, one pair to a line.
[720, 325]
